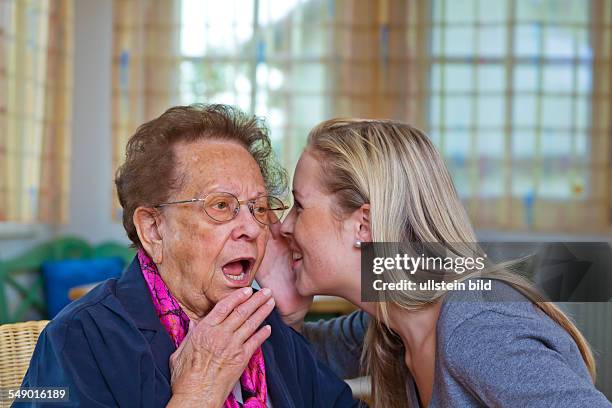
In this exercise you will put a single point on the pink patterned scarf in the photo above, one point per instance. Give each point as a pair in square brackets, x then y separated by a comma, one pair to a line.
[176, 322]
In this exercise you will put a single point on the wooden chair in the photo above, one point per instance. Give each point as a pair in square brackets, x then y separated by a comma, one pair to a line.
[17, 342]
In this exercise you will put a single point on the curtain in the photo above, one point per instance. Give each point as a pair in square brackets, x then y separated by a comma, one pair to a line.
[600, 165]
[145, 66]
[294, 63]
[514, 93]
[378, 67]
[36, 47]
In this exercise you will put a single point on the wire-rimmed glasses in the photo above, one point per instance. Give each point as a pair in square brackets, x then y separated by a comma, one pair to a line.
[223, 207]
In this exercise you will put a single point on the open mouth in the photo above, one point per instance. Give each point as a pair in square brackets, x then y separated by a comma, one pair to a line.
[238, 270]
[296, 258]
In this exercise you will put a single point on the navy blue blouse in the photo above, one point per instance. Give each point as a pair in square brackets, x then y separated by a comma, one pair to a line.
[110, 349]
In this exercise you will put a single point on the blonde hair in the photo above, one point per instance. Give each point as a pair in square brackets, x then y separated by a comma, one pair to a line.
[397, 170]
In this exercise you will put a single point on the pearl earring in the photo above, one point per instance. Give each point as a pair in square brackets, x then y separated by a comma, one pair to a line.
[357, 244]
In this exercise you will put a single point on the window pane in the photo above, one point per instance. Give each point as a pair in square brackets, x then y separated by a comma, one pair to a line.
[555, 144]
[459, 41]
[523, 145]
[457, 145]
[492, 41]
[557, 173]
[312, 42]
[276, 137]
[559, 42]
[200, 80]
[491, 180]
[269, 77]
[456, 152]
[556, 111]
[274, 114]
[306, 111]
[491, 111]
[458, 77]
[307, 78]
[190, 85]
[460, 11]
[491, 145]
[212, 27]
[458, 111]
[193, 28]
[493, 11]
[527, 40]
[558, 78]
[525, 78]
[567, 11]
[272, 11]
[491, 78]
[530, 10]
[524, 110]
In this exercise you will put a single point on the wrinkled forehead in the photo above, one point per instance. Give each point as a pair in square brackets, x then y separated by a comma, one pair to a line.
[205, 165]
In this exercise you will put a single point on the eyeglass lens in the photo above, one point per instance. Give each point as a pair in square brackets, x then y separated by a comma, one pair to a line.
[224, 207]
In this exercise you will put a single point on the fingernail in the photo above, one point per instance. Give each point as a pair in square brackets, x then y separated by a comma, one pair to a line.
[247, 291]
[266, 291]
[270, 302]
[269, 327]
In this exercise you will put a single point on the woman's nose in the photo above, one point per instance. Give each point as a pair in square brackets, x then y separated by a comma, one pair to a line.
[287, 225]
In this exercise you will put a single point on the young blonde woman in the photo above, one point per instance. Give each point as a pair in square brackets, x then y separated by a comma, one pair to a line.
[383, 181]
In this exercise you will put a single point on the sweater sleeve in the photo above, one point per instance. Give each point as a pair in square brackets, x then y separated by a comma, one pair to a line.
[510, 361]
[320, 386]
[338, 342]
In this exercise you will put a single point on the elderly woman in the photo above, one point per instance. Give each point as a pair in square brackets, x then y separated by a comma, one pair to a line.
[182, 326]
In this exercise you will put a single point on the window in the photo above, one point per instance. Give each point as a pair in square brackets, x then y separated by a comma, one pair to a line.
[262, 56]
[265, 56]
[515, 93]
[510, 108]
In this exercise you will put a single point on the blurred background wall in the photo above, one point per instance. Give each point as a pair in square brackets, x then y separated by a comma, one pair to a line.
[516, 94]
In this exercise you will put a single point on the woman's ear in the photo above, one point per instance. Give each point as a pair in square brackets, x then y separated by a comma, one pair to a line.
[363, 231]
[146, 221]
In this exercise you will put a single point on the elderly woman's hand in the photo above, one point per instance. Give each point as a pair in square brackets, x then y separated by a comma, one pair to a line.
[216, 350]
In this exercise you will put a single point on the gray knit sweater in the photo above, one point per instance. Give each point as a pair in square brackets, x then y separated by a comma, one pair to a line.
[494, 349]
